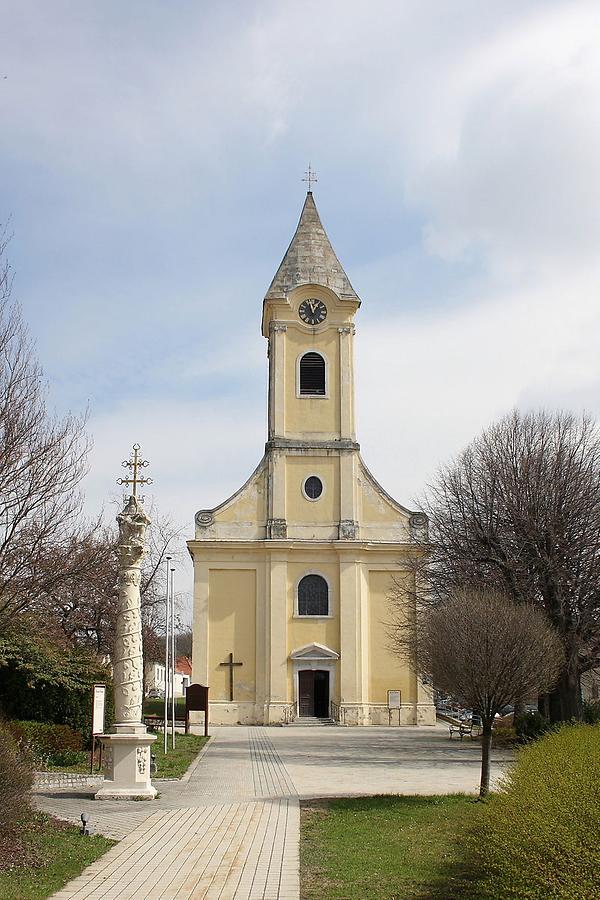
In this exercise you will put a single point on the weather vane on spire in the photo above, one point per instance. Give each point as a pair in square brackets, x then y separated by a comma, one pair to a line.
[134, 464]
[310, 176]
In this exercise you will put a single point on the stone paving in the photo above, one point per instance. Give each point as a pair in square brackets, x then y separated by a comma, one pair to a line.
[230, 829]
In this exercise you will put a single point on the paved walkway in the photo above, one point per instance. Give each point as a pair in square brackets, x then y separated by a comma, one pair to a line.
[231, 828]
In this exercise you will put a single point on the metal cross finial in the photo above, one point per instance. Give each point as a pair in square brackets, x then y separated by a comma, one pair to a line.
[134, 464]
[310, 176]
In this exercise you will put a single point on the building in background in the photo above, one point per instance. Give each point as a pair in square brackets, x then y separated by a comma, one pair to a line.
[154, 672]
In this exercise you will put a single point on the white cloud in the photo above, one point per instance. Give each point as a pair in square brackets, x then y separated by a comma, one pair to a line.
[431, 384]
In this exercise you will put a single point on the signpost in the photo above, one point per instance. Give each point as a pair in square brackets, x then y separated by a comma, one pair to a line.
[196, 700]
[394, 702]
[98, 713]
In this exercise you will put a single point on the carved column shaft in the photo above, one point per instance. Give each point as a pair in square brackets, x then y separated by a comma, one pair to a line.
[128, 661]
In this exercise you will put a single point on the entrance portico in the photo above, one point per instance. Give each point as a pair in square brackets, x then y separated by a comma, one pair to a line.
[314, 668]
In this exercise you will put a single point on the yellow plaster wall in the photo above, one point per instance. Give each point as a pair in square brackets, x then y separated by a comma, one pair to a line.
[232, 617]
[374, 507]
[306, 415]
[327, 507]
[386, 671]
[249, 505]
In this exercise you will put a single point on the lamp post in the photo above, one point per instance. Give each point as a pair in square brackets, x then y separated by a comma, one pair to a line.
[167, 616]
[173, 657]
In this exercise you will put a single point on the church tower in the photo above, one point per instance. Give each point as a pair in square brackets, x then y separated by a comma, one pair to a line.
[292, 573]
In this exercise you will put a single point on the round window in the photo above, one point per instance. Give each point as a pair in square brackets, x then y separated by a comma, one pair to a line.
[313, 487]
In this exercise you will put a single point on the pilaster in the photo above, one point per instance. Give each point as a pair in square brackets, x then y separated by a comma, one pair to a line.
[276, 524]
[277, 619]
[200, 644]
[277, 332]
[349, 529]
[354, 634]
[347, 425]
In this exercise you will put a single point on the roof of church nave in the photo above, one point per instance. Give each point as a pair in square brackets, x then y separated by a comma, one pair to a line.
[310, 259]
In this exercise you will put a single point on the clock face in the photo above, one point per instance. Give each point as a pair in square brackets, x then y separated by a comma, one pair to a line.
[312, 312]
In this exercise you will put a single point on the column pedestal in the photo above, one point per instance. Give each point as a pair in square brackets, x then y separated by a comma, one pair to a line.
[126, 766]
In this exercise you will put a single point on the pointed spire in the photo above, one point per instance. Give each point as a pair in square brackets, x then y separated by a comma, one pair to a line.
[310, 259]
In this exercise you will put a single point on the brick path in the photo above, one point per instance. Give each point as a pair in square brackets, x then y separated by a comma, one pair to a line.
[230, 829]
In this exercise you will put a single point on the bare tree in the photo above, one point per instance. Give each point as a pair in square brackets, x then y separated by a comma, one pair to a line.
[42, 461]
[86, 605]
[519, 509]
[484, 650]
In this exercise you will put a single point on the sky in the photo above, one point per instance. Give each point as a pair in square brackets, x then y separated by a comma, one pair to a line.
[151, 160]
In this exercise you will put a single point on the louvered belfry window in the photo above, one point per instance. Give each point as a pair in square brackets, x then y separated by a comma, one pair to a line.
[313, 596]
[312, 374]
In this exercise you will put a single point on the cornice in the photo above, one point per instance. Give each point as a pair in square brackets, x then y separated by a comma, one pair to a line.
[279, 443]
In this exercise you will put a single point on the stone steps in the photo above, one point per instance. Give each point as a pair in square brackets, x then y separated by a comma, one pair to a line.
[311, 720]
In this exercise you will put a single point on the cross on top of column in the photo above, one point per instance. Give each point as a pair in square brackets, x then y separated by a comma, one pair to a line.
[134, 464]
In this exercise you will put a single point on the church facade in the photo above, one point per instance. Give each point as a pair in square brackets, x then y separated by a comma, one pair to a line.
[292, 573]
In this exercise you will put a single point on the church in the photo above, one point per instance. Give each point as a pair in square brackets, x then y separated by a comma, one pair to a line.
[292, 573]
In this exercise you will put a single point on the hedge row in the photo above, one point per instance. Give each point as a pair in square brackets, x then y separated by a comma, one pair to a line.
[538, 837]
[48, 744]
[156, 707]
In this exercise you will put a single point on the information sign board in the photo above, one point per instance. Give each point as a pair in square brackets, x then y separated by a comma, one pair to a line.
[98, 707]
[394, 699]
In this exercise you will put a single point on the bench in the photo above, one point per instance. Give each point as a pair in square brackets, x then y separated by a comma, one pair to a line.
[156, 722]
[464, 728]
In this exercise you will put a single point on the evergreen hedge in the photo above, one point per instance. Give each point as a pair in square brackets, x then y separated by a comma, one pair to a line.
[155, 707]
[538, 837]
[44, 682]
[47, 743]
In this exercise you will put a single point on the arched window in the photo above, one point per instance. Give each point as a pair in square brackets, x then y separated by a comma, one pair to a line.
[312, 374]
[313, 596]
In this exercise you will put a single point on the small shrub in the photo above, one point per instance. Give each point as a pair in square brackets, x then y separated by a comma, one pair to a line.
[591, 712]
[16, 778]
[531, 725]
[538, 837]
[68, 758]
[504, 735]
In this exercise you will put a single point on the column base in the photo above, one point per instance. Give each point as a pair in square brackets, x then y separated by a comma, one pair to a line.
[126, 766]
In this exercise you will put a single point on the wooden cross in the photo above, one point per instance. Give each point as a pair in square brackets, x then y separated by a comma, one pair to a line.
[310, 176]
[136, 463]
[230, 665]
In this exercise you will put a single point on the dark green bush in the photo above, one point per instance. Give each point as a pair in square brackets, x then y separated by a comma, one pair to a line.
[68, 758]
[531, 725]
[538, 836]
[591, 712]
[157, 707]
[16, 778]
[42, 681]
[48, 744]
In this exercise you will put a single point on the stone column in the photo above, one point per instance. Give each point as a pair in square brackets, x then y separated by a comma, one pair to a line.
[126, 751]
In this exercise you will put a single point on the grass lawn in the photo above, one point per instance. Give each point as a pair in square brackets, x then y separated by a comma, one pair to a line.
[173, 765]
[52, 852]
[176, 762]
[384, 847]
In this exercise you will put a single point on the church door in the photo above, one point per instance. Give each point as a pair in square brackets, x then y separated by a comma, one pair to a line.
[313, 693]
